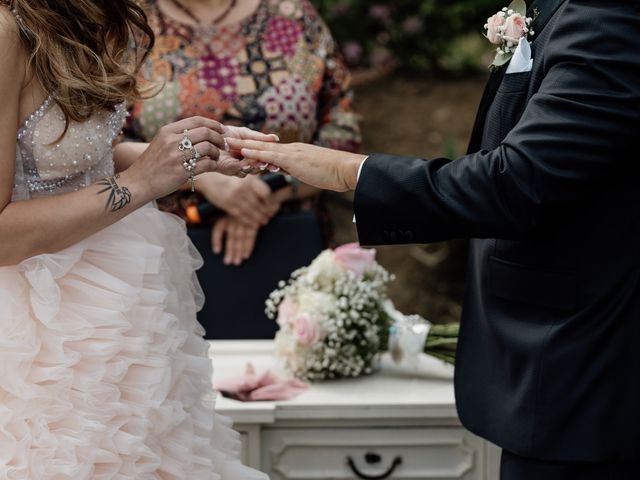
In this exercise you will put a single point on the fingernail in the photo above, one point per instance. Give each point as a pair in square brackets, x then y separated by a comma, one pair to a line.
[276, 137]
[263, 167]
[246, 169]
[274, 169]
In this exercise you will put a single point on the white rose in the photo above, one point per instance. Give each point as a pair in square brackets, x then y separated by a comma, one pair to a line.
[324, 270]
[284, 343]
[320, 303]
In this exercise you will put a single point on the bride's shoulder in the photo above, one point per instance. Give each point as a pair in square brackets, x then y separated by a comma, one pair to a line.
[9, 29]
[12, 54]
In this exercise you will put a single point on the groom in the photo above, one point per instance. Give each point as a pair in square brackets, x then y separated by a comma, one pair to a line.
[548, 366]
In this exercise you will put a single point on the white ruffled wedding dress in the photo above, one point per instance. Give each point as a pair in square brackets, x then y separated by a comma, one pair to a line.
[104, 373]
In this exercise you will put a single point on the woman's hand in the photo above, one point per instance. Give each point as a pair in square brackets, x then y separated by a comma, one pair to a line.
[313, 165]
[237, 238]
[244, 133]
[247, 200]
[160, 167]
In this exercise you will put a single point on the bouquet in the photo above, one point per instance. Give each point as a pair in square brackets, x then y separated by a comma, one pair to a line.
[335, 319]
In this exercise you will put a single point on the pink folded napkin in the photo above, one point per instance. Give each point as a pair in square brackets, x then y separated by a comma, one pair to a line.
[251, 387]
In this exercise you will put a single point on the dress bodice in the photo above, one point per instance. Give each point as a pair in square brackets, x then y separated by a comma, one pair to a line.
[48, 165]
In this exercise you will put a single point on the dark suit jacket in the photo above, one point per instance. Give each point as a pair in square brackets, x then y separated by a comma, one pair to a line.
[549, 353]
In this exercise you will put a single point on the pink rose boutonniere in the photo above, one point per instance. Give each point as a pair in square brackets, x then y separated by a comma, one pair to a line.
[506, 28]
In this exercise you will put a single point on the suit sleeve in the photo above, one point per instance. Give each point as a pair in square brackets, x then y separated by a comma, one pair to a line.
[574, 137]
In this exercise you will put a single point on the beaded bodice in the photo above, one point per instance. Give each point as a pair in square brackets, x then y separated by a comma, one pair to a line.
[49, 165]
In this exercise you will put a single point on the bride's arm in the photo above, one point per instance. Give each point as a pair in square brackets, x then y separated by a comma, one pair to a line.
[125, 154]
[44, 225]
[32, 227]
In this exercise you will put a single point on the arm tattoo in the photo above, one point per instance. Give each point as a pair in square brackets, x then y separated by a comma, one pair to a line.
[119, 197]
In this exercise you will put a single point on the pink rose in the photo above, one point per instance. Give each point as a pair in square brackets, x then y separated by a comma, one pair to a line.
[493, 28]
[286, 311]
[352, 257]
[514, 28]
[306, 329]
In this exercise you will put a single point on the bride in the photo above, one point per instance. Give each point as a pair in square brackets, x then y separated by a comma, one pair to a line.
[103, 370]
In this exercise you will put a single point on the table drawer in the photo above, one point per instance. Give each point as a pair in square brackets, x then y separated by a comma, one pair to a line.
[403, 453]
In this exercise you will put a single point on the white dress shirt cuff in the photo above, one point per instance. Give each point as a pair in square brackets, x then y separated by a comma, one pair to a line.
[357, 180]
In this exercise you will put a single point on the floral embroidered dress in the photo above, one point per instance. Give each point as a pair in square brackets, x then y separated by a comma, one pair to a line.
[278, 71]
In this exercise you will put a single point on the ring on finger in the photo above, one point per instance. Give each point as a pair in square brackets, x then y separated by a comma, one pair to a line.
[190, 156]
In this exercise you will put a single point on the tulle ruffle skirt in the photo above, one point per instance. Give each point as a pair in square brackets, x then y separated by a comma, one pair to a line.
[104, 373]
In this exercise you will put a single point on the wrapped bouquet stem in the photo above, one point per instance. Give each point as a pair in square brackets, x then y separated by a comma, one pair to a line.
[335, 319]
[410, 335]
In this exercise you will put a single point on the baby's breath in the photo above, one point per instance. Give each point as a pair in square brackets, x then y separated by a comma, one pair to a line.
[354, 324]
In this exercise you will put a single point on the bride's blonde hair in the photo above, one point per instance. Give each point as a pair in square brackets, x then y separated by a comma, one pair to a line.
[85, 53]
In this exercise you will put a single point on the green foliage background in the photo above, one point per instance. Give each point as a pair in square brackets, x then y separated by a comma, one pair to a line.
[415, 35]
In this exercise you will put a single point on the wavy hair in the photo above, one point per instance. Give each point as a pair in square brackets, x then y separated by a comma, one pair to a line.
[85, 53]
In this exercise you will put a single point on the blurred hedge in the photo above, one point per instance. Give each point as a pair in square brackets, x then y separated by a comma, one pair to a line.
[414, 35]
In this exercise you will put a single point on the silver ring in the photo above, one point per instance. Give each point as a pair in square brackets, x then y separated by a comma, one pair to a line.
[190, 156]
[185, 143]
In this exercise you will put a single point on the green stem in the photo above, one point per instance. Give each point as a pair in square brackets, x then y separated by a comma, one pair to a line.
[442, 342]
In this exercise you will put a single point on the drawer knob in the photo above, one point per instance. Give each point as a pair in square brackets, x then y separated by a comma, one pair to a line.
[370, 459]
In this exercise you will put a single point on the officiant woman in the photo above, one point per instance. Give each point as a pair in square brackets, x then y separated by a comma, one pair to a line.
[269, 65]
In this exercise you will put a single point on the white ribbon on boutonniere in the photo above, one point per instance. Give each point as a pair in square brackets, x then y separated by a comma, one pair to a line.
[506, 28]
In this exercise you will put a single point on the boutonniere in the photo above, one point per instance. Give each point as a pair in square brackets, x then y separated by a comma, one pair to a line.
[506, 28]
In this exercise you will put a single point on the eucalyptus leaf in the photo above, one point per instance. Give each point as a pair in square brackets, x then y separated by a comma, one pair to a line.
[519, 6]
[502, 59]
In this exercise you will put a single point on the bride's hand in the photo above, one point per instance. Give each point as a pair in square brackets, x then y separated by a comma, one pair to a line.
[243, 133]
[160, 168]
[313, 165]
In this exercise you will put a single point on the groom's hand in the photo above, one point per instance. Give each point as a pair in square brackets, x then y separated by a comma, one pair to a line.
[316, 166]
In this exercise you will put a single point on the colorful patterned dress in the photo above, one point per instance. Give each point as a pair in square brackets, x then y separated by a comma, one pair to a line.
[278, 71]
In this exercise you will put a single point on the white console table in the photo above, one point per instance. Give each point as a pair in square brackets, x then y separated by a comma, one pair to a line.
[387, 422]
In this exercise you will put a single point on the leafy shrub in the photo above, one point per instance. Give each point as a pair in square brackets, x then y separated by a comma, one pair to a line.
[415, 35]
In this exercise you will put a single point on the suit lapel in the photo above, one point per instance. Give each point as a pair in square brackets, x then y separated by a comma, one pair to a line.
[490, 92]
[545, 9]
